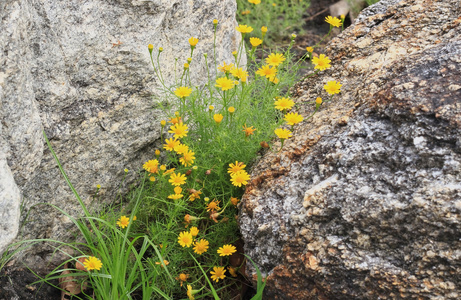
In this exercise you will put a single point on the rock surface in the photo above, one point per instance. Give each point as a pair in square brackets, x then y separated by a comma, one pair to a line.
[81, 71]
[364, 202]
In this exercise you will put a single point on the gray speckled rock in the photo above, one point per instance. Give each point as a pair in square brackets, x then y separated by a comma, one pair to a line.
[81, 71]
[364, 202]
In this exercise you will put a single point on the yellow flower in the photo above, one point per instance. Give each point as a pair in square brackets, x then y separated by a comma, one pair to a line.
[201, 246]
[194, 194]
[234, 201]
[177, 194]
[215, 22]
[151, 166]
[284, 104]
[160, 49]
[188, 158]
[165, 262]
[177, 179]
[218, 118]
[244, 29]
[255, 1]
[239, 73]
[309, 49]
[152, 178]
[123, 222]
[332, 87]
[92, 263]
[322, 62]
[126, 170]
[163, 123]
[231, 110]
[171, 144]
[248, 130]
[169, 171]
[181, 148]
[275, 59]
[175, 120]
[264, 29]
[218, 273]
[318, 101]
[150, 47]
[246, 12]
[185, 239]
[182, 278]
[157, 153]
[233, 271]
[255, 42]
[191, 292]
[213, 206]
[193, 41]
[183, 91]
[98, 186]
[225, 68]
[293, 118]
[163, 167]
[226, 250]
[239, 178]
[282, 133]
[274, 79]
[267, 71]
[179, 130]
[333, 21]
[234, 168]
[186, 66]
[194, 231]
[210, 108]
[224, 83]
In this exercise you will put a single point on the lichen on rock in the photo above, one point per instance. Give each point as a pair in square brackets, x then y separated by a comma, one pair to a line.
[364, 201]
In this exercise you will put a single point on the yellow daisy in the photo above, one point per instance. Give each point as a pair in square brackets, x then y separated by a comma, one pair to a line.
[224, 83]
[171, 144]
[267, 71]
[284, 104]
[333, 21]
[225, 68]
[193, 41]
[218, 273]
[226, 250]
[151, 166]
[244, 29]
[123, 221]
[240, 178]
[188, 158]
[183, 91]
[194, 231]
[218, 118]
[234, 168]
[248, 130]
[283, 133]
[179, 130]
[275, 59]
[92, 263]
[293, 118]
[322, 62]
[177, 179]
[185, 239]
[332, 87]
[201, 246]
[255, 42]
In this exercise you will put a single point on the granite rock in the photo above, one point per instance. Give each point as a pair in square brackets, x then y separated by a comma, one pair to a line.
[81, 71]
[364, 202]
